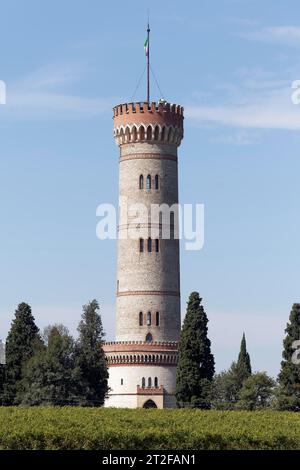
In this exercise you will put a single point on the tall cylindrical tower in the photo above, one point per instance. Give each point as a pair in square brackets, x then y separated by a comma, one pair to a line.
[142, 361]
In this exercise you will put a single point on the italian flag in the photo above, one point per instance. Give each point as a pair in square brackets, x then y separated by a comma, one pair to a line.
[146, 47]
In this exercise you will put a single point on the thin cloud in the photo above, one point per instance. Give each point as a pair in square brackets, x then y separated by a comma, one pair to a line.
[241, 137]
[285, 35]
[44, 95]
[254, 105]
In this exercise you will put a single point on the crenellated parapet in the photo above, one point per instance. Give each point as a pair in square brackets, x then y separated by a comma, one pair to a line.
[142, 122]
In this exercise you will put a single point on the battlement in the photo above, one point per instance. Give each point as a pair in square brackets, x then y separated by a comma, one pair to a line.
[156, 121]
[154, 107]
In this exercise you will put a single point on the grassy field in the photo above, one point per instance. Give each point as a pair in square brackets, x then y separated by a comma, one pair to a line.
[91, 428]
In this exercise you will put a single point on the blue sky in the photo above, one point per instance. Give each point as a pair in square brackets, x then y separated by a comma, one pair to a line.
[230, 64]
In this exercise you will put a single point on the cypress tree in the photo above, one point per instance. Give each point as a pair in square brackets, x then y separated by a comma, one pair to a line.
[289, 376]
[243, 365]
[20, 345]
[90, 356]
[196, 364]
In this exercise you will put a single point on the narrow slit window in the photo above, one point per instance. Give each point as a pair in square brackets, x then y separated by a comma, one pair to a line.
[149, 245]
[141, 245]
[156, 245]
[141, 319]
[149, 319]
[148, 182]
[156, 182]
[172, 225]
[157, 319]
[141, 182]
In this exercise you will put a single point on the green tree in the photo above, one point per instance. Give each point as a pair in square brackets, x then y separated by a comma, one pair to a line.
[90, 357]
[2, 381]
[21, 341]
[2, 372]
[257, 392]
[50, 376]
[226, 388]
[228, 384]
[242, 369]
[289, 376]
[196, 364]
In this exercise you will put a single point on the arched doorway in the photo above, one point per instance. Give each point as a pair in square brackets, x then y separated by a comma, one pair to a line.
[149, 404]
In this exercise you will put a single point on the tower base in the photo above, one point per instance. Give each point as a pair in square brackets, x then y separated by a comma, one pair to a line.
[141, 375]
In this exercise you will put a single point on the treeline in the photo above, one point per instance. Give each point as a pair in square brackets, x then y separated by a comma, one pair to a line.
[51, 368]
[238, 388]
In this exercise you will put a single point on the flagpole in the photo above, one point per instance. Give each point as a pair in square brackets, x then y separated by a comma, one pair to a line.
[148, 65]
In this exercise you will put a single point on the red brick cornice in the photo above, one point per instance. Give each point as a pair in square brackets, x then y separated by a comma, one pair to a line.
[142, 346]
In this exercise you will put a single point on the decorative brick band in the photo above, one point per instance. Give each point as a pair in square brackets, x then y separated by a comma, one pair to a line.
[148, 292]
[114, 346]
[150, 390]
[148, 156]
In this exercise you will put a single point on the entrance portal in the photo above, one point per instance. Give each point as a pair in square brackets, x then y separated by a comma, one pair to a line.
[149, 404]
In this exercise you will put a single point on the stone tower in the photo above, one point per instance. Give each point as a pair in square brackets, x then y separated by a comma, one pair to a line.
[142, 361]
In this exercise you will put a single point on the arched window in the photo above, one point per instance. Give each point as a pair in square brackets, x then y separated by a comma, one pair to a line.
[149, 319]
[163, 132]
[148, 182]
[122, 381]
[156, 133]
[134, 133]
[141, 182]
[127, 134]
[122, 136]
[149, 382]
[149, 338]
[142, 133]
[156, 245]
[141, 318]
[143, 382]
[149, 245]
[155, 382]
[141, 245]
[149, 133]
[157, 319]
[156, 182]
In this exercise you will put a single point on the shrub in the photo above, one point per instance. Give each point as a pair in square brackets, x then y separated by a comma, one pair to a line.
[46, 428]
